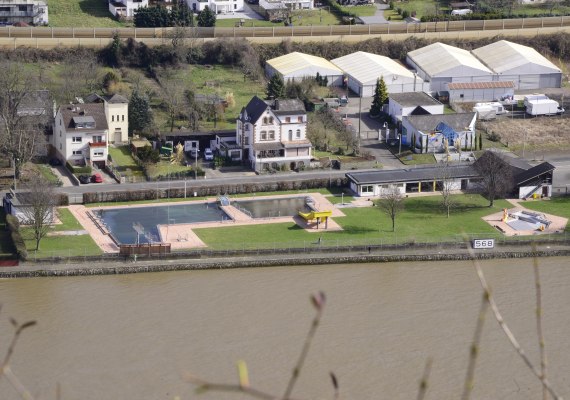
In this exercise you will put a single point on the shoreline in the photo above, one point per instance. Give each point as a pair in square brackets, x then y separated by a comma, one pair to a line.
[145, 266]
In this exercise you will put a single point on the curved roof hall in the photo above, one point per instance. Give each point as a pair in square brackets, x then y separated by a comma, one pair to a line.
[296, 62]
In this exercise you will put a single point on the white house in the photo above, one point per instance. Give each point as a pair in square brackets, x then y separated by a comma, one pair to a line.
[80, 134]
[217, 6]
[412, 103]
[432, 133]
[273, 134]
[117, 114]
[31, 12]
[126, 8]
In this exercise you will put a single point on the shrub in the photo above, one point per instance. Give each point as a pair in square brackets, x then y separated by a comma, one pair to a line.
[78, 170]
[494, 136]
[405, 14]
[391, 5]
[17, 240]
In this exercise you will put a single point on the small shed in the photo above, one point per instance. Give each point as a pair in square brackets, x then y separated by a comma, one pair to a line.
[413, 103]
[523, 65]
[480, 91]
[296, 66]
[440, 64]
[363, 69]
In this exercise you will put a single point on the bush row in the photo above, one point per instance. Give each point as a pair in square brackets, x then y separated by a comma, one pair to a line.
[483, 16]
[17, 240]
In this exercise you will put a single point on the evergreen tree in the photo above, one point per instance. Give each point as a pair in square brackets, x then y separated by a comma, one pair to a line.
[140, 116]
[325, 81]
[152, 17]
[275, 87]
[206, 18]
[319, 79]
[480, 141]
[380, 97]
[181, 15]
[421, 144]
[413, 142]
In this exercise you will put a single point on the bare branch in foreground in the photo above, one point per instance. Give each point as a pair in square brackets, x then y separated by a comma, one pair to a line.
[425, 379]
[474, 352]
[540, 333]
[510, 336]
[16, 384]
[17, 333]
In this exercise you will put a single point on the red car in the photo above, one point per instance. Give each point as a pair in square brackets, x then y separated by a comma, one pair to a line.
[97, 178]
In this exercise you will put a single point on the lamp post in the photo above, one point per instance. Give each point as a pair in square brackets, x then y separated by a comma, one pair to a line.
[15, 161]
[400, 143]
[196, 164]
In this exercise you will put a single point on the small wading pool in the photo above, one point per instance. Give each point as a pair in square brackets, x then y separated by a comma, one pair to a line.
[270, 208]
[121, 221]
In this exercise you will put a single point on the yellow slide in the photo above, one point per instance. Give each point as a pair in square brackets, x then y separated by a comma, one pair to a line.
[315, 214]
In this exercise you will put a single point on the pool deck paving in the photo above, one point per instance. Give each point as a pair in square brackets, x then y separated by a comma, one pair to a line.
[182, 236]
[557, 224]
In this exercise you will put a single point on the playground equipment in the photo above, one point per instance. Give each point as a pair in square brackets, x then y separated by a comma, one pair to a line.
[316, 215]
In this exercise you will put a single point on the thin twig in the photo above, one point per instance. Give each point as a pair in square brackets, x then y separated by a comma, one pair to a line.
[335, 385]
[15, 337]
[507, 331]
[541, 344]
[425, 379]
[16, 384]
[319, 302]
[474, 350]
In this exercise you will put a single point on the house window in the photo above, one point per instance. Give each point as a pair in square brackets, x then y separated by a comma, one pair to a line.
[271, 135]
[97, 139]
[235, 6]
[76, 139]
[263, 135]
[22, 8]
[123, 118]
[367, 189]
[298, 134]
[98, 153]
[264, 120]
[112, 118]
[77, 152]
[288, 119]
[299, 119]
[60, 146]
[270, 120]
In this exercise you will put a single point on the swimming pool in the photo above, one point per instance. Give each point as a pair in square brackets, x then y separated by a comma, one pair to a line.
[270, 208]
[123, 223]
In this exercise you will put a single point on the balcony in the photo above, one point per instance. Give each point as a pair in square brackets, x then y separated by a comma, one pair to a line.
[97, 144]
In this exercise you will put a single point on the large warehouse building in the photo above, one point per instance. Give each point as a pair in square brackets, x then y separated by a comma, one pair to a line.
[363, 70]
[523, 65]
[296, 66]
[439, 64]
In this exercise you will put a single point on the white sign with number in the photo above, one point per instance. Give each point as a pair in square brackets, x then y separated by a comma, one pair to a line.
[483, 243]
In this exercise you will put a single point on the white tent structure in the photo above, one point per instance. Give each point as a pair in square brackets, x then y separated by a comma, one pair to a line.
[523, 65]
[363, 70]
[296, 66]
[440, 63]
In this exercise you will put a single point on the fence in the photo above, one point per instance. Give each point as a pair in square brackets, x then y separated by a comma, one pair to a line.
[395, 245]
[394, 28]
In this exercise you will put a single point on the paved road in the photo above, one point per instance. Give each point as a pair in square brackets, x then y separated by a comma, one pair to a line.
[377, 18]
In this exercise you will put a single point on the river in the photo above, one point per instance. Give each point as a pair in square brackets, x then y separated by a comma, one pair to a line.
[136, 336]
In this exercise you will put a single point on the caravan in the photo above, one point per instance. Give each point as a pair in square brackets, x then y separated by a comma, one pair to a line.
[488, 111]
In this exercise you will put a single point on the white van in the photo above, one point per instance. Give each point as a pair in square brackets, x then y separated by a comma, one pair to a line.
[461, 12]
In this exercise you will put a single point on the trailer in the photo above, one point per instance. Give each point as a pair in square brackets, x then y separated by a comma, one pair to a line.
[489, 111]
[543, 106]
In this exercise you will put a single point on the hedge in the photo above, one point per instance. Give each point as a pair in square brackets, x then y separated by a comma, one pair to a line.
[14, 228]
[79, 170]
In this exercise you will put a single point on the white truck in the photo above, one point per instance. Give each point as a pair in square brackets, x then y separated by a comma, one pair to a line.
[540, 104]
[488, 111]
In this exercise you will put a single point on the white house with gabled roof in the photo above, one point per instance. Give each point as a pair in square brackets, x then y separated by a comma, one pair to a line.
[273, 134]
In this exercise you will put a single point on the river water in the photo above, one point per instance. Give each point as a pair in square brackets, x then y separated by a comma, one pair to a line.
[136, 336]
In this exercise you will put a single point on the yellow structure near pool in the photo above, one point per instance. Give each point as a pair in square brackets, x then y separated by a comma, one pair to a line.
[316, 215]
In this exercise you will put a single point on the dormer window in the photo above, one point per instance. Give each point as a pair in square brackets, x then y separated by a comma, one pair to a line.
[287, 119]
[84, 122]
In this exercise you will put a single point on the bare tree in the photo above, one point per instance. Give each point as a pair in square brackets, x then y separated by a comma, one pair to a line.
[391, 203]
[78, 76]
[174, 99]
[496, 175]
[39, 203]
[446, 184]
[23, 115]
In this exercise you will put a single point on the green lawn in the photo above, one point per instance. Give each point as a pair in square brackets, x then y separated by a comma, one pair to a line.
[361, 11]
[421, 7]
[124, 162]
[47, 173]
[220, 80]
[423, 220]
[407, 157]
[61, 246]
[559, 206]
[81, 14]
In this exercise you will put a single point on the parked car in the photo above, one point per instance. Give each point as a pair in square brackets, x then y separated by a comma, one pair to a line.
[208, 155]
[85, 179]
[97, 178]
[194, 153]
[54, 162]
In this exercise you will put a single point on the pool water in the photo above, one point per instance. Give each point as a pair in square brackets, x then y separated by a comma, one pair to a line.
[269, 208]
[121, 221]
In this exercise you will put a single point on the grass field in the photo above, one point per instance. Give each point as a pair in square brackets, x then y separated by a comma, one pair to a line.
[63, 246]
[124, 162]
[81, 14]
[362, 10]
[423, 220]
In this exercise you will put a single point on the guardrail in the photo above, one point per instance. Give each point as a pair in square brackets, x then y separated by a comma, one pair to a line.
[286, 31]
